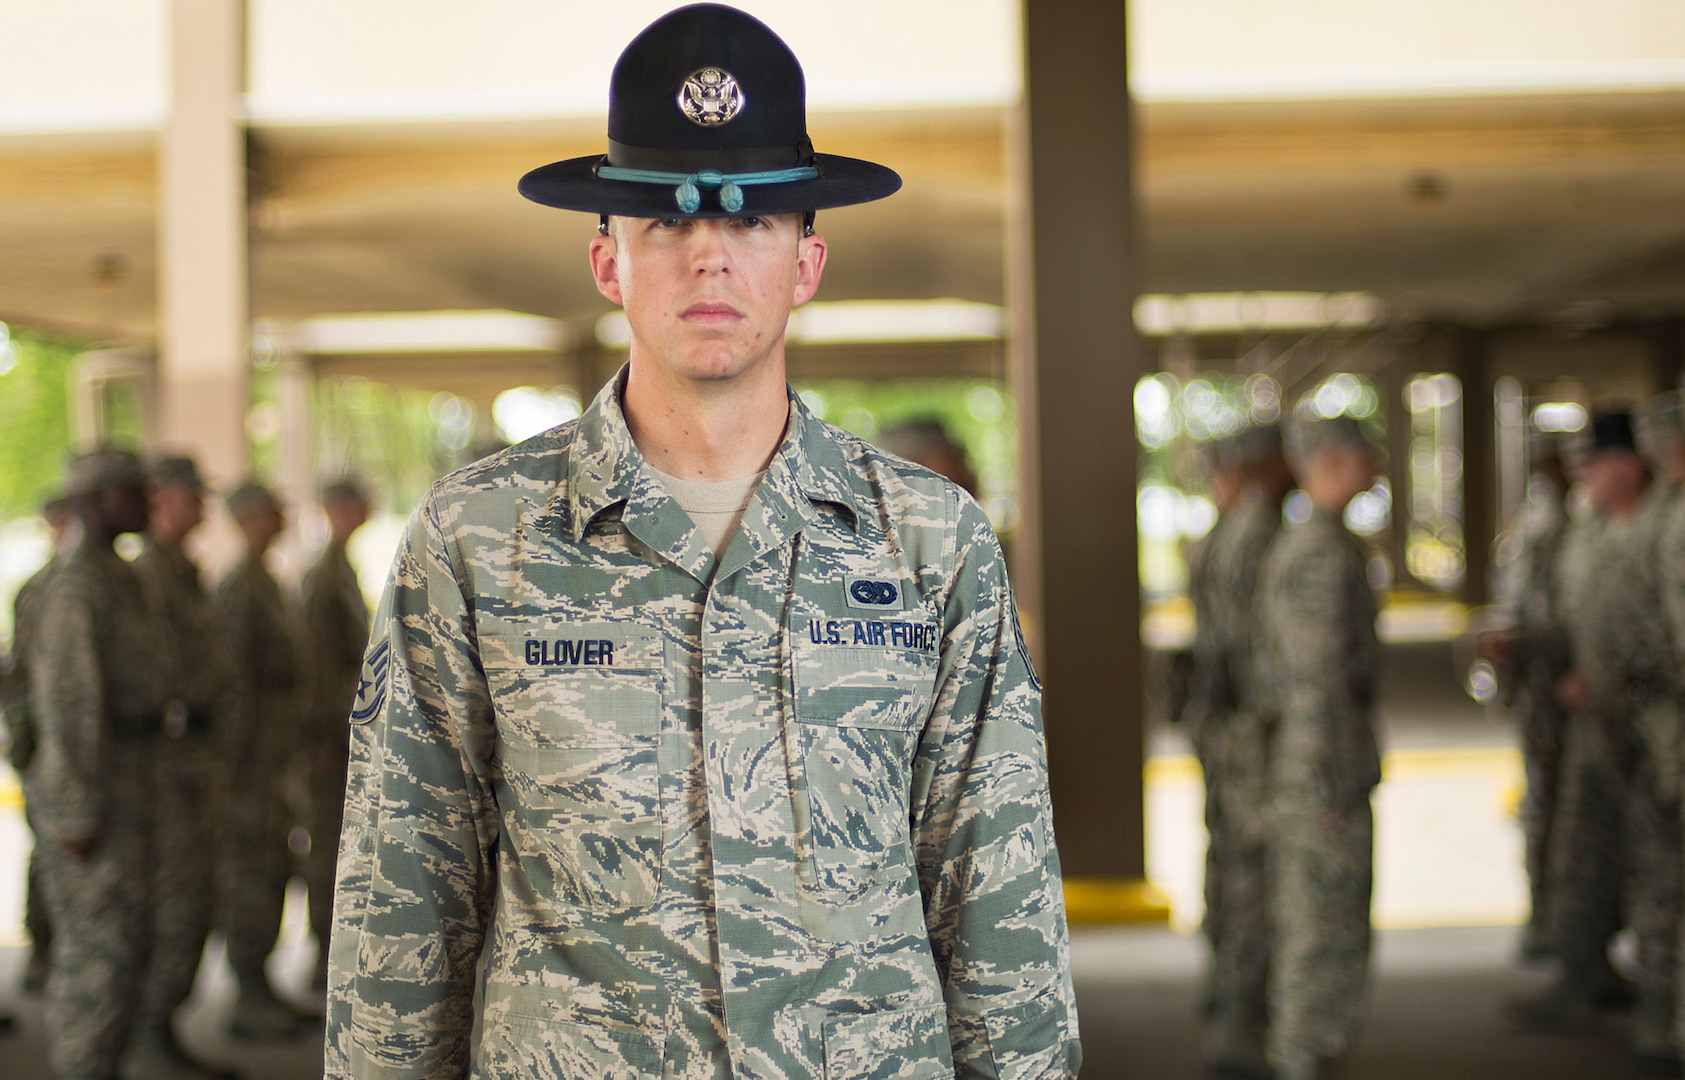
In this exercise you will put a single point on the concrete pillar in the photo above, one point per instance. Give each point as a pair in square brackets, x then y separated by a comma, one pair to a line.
[1078, 359]
[1481, 497]
[202, 241]
[1667, 354]
[1390, 382]
[295, 480]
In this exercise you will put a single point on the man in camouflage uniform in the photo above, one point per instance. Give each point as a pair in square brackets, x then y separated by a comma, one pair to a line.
[98, 684]
[1670, 553]
[60, 515]
[704, 725]
[190, 785]
[1654, 687]
[1533, 658]
[269, 679]
[336, 621]
[1613, 842]
[1319, 660]
[1661, 434]
[1228, 731]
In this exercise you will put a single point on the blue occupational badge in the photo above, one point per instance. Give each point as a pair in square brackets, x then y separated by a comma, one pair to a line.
[872, 593]
[371, 685]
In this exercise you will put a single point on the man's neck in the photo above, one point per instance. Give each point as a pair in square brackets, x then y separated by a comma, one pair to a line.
[707, 431]
[1626, 505]
[1330, 498]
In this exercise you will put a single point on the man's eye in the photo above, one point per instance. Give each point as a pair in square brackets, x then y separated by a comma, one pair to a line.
[669, 222]
[751, 222]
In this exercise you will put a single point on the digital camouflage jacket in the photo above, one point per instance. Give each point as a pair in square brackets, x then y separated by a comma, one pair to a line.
[780, 815]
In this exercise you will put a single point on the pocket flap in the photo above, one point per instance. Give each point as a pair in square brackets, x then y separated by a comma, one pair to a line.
[864, 686]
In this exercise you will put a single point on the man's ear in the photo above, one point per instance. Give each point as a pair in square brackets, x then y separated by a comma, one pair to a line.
[810, 267]
[604, 254]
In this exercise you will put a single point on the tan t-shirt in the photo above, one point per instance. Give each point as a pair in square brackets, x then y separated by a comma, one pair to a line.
[715, 506]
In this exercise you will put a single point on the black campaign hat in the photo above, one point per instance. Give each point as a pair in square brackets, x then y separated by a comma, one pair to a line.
[707, 117]
[1612, 431]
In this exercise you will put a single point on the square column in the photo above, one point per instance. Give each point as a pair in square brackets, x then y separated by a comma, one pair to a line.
[1077, 360]
[202, 242]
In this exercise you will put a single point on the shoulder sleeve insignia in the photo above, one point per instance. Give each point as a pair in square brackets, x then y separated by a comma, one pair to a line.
[371, 685]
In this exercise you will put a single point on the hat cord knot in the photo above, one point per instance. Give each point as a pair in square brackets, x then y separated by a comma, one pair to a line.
[689, 186]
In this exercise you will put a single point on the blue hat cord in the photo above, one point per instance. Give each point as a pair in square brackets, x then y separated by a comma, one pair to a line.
[688, 187]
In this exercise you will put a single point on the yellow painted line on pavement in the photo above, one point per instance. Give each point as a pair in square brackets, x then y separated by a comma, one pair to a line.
[1437, 763]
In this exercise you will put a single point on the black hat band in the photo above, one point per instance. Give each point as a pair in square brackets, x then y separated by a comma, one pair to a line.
[688, 187]
[726, 159]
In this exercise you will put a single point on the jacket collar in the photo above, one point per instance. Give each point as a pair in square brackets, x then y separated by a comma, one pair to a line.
[606, 470]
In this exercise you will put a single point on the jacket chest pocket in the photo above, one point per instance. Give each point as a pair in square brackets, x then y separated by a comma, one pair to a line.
[860, 713]
[579, 714]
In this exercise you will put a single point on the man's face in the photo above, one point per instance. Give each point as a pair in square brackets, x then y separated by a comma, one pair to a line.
[1612, 476]
[122, 508]
[345, 516]
[261, 526]
[707, 300]
[176, 511]
[1353, 469]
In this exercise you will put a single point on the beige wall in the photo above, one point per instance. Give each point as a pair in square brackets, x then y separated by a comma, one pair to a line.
[75, 65]
[1227, 49]
[379, 58]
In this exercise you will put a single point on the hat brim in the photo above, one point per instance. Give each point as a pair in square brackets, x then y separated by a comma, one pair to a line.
[574, 185]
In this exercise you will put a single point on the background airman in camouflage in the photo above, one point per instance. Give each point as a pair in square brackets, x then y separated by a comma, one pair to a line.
[1198, 683]
[1227, 726]
[1533, 657]
[1654, 687]
[1667, 428]
[98, 680]
[765, 799]
[1319, 663]
[270, 679]
[1609, 832]
[190, 785]
[60, 514]
[336, 621]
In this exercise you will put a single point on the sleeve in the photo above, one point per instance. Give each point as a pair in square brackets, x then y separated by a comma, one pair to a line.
[68, 707]
[1240, 618]
[416, 866]
[234, 602]
[983, 834]
[335, 650]
[1646, 641]
[20, 728]
[1323, 715]
[1671, 572]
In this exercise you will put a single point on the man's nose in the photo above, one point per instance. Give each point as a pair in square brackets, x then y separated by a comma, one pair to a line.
[710, 252]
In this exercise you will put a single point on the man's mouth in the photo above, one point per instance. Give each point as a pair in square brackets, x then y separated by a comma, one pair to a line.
[710, 312]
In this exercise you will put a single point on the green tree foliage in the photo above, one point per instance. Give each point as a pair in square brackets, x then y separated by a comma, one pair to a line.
[397, 440]
[34, 419]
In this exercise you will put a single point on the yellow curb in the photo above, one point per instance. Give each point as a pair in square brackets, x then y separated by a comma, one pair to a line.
[1172, 768]
[1509, 799]
[1097, 901]
[1446, 763]
[1396, 764]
